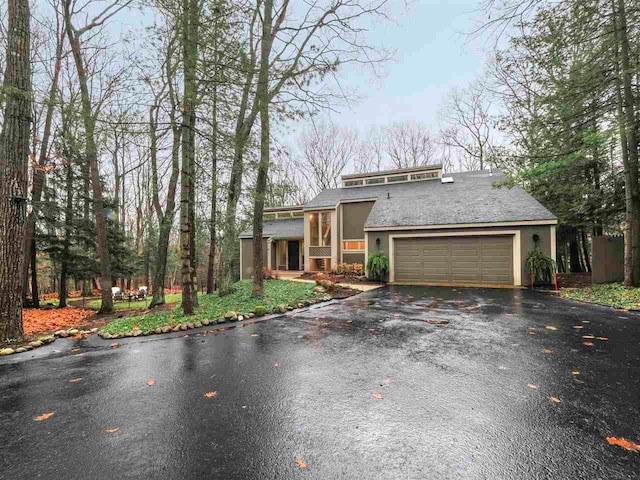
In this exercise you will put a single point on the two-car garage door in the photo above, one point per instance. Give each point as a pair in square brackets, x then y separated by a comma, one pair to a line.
[454, 260]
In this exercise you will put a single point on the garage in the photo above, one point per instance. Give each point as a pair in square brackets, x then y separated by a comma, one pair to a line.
[486, 260]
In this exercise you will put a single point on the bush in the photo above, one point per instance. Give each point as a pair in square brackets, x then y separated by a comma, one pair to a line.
[259, 311]
[540, 266]
[323, 280]
[378, 266]
[271, 274]
[350, 269]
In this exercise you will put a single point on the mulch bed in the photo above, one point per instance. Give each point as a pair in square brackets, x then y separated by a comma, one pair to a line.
[337, 278]
[574, 280]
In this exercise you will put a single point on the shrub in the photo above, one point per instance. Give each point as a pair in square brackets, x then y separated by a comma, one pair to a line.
[350, 269]
[378, 266]
[271, 274]
[540, 266]
[259, 311]
[324, 280]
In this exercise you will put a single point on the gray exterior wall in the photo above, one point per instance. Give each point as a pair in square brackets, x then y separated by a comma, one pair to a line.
[353, 258]
[354, 217]
[526, 240]
[246, 257]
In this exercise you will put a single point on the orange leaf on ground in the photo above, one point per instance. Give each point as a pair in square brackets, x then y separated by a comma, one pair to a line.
[555, 400]
[254, 335]
[75, 350]
[211, 394]
[547, 350]
[575, 372]
[587, 344]
[549, 327]
[377, 395]
[39, 320]
[111, 430]
[578, 327]
[531, 385]
[602, 338]
[151, 381]
[114, 345]
[301, 463]
[75, 380]
[590, 337]
[626, 444]
[44, 416]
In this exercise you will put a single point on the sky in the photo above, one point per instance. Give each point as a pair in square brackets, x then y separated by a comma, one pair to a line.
[433, 54]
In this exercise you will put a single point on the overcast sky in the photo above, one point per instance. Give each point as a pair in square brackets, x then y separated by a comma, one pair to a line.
[433, 54]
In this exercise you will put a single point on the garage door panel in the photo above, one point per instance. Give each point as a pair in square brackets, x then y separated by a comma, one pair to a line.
[467, 259]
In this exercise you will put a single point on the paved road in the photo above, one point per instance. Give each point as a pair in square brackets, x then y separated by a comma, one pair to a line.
[456, 401]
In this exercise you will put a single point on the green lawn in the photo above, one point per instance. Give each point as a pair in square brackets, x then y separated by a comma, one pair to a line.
[610, 294]
[126, 305]
[276, 292]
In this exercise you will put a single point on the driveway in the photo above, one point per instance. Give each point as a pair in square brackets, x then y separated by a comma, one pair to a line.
[363, 388]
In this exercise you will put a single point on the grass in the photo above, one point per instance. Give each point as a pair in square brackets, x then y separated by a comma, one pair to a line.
[276, 292]
[126, 305]
[609, 294]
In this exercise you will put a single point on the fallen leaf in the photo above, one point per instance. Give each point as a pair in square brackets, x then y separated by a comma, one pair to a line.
[114, 345]
[531, 385]
[377, 395]
[549, 327]
[626, 444]
[586, 321]
[588, 344]
[301, 463]
[74, 350]
[555, 400]
[254, 335]
[211, 394]
[44, 416]
[437, 322]
[590, 337]
[152, 381]
[37, 320]
[75, 380]
[604, 339]
[578, 327]
[575, 372]
[547, 350]
[111, 430]
[532, 333]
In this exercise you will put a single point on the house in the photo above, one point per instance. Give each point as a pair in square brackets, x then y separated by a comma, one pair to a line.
[460, 229]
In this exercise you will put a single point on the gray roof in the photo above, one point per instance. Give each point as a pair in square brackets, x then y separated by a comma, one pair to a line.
[471, 198]
[285, 228]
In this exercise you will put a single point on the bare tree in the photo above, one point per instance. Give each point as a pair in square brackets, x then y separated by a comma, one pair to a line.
[14, 152]
[409, 144]
[466, 125]
[327, 150]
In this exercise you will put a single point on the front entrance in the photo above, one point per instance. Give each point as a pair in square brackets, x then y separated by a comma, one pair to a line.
[293, 249]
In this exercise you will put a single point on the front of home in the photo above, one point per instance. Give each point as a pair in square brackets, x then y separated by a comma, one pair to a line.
[459, 229]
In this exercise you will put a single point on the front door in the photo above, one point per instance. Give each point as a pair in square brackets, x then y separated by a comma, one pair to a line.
[294, 254]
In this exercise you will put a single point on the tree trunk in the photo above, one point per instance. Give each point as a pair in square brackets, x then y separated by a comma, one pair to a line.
[631, 129]
[91, 153]
[211, 276]
[585, 251]
[68, 219]
[626, 145]
[263, 166]
[190, 57]
[574, 254]
[14, 153]
[35, 294]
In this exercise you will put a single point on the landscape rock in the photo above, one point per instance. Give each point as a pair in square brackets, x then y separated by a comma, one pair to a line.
[176, 328]
[166, 329]
[183, 326]
[27, 347]
[240, 318]
[7, 351]
[251, 315]
[61, 333]
[300, 305]
[94, 330]
[137, 332]
[21, 350]
[157, 330]
[128, 334]
[231, 316]
[36, 343]
[205, 322]
[72, 331]
[197, 324]
[190, 325]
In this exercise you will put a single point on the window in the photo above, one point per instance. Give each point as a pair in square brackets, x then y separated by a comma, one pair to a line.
[422, 176]
[269, 216]
[320, 229]
[353, 245]
[375, 181]
[353, 183]
[398, 178]
[297, 214]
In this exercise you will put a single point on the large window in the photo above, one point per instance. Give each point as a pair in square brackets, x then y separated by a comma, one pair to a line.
[353, 245]
[320, 227]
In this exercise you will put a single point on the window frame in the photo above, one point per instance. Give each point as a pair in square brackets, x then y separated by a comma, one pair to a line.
[361, 245]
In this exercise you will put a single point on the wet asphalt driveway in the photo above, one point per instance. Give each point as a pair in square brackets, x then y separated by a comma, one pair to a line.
[453, 399]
